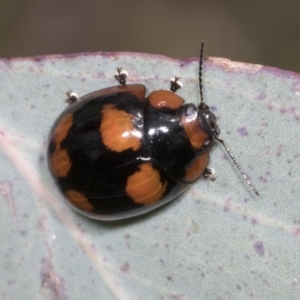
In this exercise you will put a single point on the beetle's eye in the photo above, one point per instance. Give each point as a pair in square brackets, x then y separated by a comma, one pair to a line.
[211, 120]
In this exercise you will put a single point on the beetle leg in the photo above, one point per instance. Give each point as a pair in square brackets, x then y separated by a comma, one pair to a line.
[72, 97]
[121, 76]
[209, 173]
[175, 84]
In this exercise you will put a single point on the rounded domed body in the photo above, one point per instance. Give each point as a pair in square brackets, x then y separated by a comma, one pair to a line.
[115, 154]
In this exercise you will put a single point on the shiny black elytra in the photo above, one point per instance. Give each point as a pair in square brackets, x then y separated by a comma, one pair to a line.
[115, 153]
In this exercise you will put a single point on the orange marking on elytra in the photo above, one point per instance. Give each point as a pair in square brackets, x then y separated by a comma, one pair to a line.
[145, 186]
[192, 128]
[78, 200]
[62, 129]
[60, 162]
[164, 98]
[197, 168]
[117, 130]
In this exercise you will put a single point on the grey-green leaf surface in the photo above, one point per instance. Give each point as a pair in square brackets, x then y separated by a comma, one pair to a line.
[216, 241]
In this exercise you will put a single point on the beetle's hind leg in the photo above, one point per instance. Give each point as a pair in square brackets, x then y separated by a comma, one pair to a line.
[209, 173]
[121, 76]
[175, 84]
[72, 97]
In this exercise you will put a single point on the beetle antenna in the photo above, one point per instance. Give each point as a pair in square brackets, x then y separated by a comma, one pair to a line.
[202, 104]
[237, 165]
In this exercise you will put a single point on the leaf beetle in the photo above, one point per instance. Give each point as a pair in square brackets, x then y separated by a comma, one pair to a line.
[115, 153]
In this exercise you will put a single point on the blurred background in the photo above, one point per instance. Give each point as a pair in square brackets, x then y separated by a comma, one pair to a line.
[263, 32]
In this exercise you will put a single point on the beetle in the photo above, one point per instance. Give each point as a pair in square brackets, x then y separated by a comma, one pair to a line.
[115, 153]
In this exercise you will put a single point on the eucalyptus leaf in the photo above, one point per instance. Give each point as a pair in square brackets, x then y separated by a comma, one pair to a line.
[216, 241]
